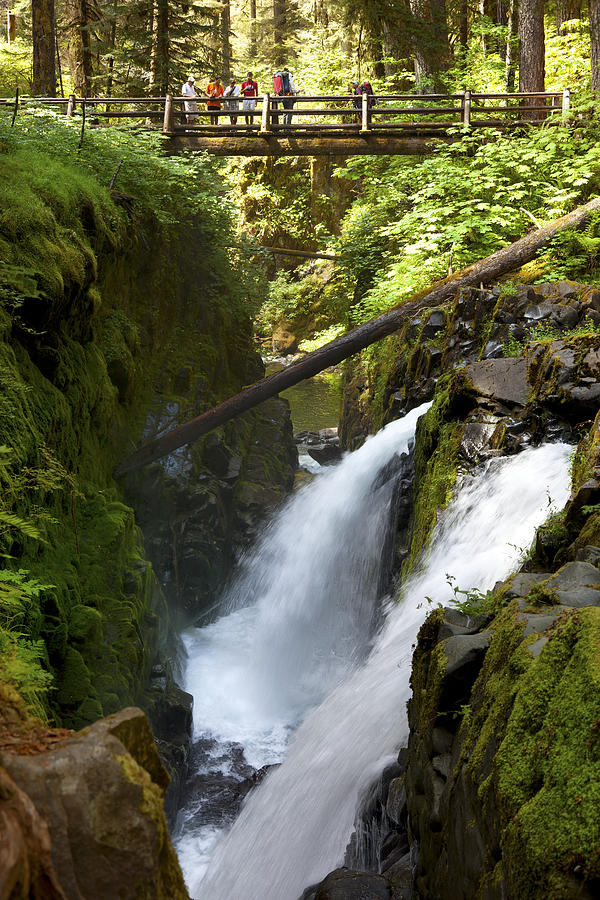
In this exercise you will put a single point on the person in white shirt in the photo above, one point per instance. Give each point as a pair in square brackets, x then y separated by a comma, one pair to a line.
[188, 90]
[232, 92]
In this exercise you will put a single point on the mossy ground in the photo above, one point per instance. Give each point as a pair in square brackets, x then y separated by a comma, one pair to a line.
[109, 308]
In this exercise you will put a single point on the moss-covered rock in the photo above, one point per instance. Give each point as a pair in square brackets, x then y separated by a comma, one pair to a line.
[100, 795]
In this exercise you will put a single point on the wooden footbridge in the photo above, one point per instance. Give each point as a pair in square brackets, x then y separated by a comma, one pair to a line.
[342, 125]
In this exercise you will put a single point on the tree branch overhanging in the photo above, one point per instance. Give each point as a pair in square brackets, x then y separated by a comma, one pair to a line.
[482, 272]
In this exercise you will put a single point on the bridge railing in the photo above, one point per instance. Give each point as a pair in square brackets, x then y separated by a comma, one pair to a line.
[324, 113]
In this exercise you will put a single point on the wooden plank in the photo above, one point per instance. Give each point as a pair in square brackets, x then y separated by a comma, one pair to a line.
[482, 272]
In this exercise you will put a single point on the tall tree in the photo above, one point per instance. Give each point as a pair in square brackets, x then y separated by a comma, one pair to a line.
[159, 77]
[252, 43]
[79, 50]
[511, 35]
[279, 24]
[430, 41]
[594, 7]
[531, 49]
[565, 11]
[226, 39]
[44, 66]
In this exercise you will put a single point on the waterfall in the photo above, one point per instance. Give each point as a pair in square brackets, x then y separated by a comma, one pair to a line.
[298, 620]
[295, 826]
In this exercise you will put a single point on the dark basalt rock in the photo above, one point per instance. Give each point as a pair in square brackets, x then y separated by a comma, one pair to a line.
[504, 380]
[464, 655]
[346, 884]
[325, 454]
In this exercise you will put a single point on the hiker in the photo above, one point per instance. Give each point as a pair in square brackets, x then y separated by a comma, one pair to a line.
[249, 92]
[232, 92]
[188, 90]
[358, 90]
[214, 91]
[283, 86]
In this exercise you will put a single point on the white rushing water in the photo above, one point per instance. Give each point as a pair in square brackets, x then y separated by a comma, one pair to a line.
[298, 620]
[295, 826]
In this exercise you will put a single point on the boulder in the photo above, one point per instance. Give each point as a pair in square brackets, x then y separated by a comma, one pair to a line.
[100, 793]
[347, 884]
[26, 869]
[504, 380]
[464, 656]
[325, 454]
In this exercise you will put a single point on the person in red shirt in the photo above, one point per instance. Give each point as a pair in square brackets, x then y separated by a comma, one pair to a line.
[214, 91]
[249, 91]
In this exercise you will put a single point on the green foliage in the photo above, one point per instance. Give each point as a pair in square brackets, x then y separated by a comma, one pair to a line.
[470, 602]
[462, 203]
[15, 67]
[546, 334]
[21, 665]
[321, 338]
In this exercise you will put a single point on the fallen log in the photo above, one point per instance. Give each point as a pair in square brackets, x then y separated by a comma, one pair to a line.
[482, 272]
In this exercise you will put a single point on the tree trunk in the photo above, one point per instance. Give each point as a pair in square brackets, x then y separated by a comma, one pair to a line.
[502, 9]
[79, 52]
[463, 24]
[531, 51]
[484, 42]
[253, 43]
[595, 43]
[279, 23]
[565, 11]
[159, 76]
[430, 41]
[226, 40]
[500, 263]
[512, 28]
[44, 66]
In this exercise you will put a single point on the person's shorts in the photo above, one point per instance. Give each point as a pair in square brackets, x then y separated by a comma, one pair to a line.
[249, 104]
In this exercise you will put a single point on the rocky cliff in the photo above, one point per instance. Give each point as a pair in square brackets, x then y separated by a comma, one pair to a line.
[495, 796]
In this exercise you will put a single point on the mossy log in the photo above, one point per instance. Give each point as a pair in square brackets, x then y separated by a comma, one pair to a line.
[482, 272]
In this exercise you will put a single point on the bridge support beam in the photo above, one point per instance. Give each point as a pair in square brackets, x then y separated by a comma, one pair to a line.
[370, 144]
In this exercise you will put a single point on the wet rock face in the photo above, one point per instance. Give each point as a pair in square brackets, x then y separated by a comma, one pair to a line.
[545, 385]
[473, 814]
[200, 505]
[99, 794]
[345, 884]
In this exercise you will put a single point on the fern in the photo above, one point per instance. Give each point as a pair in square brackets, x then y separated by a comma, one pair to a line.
[10, 520]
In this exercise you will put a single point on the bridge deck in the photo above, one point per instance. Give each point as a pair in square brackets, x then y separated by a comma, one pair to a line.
[344, 125]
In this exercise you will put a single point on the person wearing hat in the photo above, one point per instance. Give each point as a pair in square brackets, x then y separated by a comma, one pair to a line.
[188, 90]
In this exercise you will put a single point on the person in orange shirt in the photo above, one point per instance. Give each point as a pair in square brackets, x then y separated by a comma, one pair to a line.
[214, 91]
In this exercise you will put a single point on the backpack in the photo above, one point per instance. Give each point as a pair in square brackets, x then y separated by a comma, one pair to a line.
[278, 83]
[366, 88]
[286, 83]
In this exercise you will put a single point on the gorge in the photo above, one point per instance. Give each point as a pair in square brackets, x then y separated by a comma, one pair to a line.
[345, 645]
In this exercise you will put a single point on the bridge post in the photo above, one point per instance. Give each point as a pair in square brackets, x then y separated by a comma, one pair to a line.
[466, 110]
[71, 105]
[365, 112]
[265, 119]
[168, 121]
[566, 104]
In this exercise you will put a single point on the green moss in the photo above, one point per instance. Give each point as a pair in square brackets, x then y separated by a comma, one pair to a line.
[167, 883]
[549, 764]
[436, 453]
